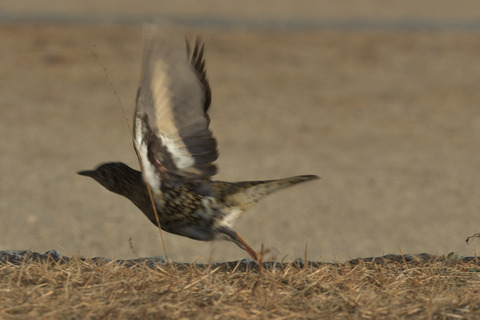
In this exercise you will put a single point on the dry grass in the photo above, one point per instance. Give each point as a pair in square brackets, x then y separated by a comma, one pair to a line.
[93, 288]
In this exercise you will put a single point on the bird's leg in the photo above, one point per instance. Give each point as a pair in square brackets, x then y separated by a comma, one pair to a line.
[244, 245]
[235, 237]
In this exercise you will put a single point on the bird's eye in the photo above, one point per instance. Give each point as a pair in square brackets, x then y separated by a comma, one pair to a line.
[103, 173]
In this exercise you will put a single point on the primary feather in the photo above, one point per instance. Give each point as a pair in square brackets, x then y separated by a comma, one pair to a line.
[171, 124]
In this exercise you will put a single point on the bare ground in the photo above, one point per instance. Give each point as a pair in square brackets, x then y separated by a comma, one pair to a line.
[389, 120]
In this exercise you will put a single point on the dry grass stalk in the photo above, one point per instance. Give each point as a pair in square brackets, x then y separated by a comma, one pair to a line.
[86, 288]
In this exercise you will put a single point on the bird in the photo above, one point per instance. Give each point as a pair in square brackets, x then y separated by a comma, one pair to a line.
[177, 150]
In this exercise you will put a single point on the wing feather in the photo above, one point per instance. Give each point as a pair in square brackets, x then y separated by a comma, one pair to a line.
[171, 122]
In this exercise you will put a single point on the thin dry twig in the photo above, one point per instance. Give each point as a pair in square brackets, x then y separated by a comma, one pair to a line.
[476, 235]
[127, 120]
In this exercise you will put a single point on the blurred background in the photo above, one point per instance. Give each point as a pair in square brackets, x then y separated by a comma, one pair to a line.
[379, 98]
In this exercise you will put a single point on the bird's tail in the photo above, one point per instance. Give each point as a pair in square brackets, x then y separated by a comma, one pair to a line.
[247, 193]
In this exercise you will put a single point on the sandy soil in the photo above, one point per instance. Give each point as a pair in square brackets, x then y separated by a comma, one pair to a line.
[389, 120]
[248, 10]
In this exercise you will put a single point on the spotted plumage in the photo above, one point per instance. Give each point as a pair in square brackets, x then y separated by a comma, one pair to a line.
[177, 149]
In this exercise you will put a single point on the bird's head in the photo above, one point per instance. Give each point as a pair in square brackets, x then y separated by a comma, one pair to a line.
[115, 176]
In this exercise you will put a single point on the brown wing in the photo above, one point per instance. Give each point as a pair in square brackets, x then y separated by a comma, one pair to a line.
[171, 123]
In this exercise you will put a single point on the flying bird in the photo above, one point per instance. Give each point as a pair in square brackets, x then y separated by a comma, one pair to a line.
[177, 150]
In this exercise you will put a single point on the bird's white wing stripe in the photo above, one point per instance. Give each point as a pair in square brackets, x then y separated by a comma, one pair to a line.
[182, 159]
[148, 169]
[169, 136]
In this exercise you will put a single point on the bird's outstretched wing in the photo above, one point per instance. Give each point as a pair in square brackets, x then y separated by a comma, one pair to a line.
[174, 142]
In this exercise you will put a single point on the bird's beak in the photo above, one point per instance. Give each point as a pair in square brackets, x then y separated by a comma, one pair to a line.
[88, 173]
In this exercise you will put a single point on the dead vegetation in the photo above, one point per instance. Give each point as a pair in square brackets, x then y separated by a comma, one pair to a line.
[79, 288]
